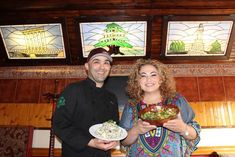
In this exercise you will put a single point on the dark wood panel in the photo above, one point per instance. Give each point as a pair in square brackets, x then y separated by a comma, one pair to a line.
[8, 88]
[113, 4]
[211, 89]
[188, 87]
[32, 90]
[51, 86]
[229, 83]
[28, 90]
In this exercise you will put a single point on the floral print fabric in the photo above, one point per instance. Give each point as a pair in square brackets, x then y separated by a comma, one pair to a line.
[161, 142]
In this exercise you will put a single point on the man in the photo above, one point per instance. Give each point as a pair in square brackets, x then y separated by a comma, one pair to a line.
[84, 104]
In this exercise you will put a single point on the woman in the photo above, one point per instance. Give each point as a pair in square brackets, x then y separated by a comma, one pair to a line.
[150, 83]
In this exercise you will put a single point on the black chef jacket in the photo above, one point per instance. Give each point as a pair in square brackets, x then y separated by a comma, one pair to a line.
[80, 106]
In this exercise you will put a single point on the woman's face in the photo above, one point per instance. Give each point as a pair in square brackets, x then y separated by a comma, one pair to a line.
[149, 78]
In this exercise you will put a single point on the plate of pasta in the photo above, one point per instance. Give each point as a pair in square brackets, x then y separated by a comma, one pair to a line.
[108, 131]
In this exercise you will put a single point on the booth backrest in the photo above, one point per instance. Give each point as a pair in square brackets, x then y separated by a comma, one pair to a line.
[16, 141]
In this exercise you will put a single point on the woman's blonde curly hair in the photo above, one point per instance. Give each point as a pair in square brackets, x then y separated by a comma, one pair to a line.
[167, 87]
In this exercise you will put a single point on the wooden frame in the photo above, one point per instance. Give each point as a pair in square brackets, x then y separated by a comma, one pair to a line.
[34, 42]
[124, 37]
[197, 37]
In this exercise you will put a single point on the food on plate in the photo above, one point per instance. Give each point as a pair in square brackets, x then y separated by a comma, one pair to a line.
[157, 115]
[109, 130]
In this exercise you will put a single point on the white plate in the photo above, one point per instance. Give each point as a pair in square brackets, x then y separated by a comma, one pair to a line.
[93, 129]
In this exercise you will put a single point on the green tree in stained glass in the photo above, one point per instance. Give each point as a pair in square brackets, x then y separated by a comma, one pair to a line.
[114, 38]
[215, 47]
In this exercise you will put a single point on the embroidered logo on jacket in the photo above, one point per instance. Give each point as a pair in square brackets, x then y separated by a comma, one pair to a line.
[61, 102]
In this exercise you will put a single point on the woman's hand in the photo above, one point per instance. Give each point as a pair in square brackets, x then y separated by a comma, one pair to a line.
[102, 144]
[142, 127]
[176, 125]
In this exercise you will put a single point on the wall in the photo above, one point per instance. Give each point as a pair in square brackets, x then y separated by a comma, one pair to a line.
[194, 81]
[28, 85]
[25, 86]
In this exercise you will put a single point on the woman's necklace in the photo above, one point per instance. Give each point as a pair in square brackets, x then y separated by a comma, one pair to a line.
[145, 103]
[152, 101]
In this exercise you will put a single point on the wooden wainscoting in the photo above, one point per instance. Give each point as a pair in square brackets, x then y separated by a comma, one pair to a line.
[214, 114]
[27, 114]
[208, 114]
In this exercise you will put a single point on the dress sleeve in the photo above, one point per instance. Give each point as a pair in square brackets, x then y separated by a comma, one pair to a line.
[186, 110]
[127, 118]
[193, 143]
[188, 116]
[63, 120]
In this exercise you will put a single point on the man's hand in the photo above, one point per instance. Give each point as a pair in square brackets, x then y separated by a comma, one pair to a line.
[102, 144]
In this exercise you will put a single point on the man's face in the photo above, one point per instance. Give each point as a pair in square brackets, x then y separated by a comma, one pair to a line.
[98, 69]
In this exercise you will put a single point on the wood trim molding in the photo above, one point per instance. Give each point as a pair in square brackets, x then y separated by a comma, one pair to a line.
[41, 152]
[178, 70]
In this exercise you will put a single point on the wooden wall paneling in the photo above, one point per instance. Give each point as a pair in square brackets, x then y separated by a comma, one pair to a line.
[21, 111]
[218, 114]
[8, 89]
[224, 113]
[5, 114]
[28, 91]
[37, 115]
[199, 113]
[208, 114]
[228, 121]
[229, 83]
[214, 114]
[204, 115]
[117, 4]
[231, 112]
[75, 46]
[211, 89]
[211, 114]
[14, 114]
[188, 87]
[156, 37]
[208, 117]
[40, 115]
[48, 86]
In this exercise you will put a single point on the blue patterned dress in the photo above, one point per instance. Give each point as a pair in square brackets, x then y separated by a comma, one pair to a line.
[161, 142]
